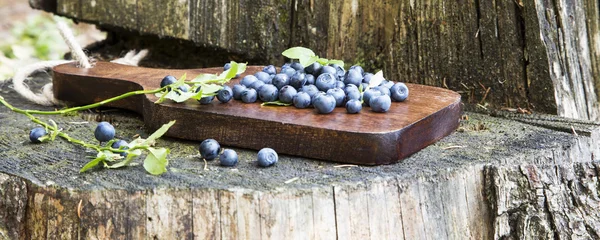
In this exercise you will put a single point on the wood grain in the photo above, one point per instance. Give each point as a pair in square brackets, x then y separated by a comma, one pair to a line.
[368, 138]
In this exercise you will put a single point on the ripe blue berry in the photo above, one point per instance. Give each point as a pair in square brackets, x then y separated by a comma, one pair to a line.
[268, 93]
[270, 70]
[267, 157]
[350, 87]
[399, 92]
[387, 84]
[289, 71]
[237, 91]
[370, 93]
[263, 77]
[206, 100]
[310, 79]
[118, 144]
[310, 89]
[249, 95]
[353, 94]
[339, 84]
[224, 95]
[328, 69]
[37, 133]
[380, 104]
[209, 149]
[353, 77]
[324, 104]
[104, 132]
[281, 80]
[384, 90]
[315, 96]
[168, 80]
[227, 66]
[357, 68]
[287, 93]
[298, 80]
[314, 69]
[340, 72]
[339, 96]
[325, 81]
[248, 80]
[301, 100]
[367, 77]
[297, 66]
[257, 85]
[353, 106]
[228, 158]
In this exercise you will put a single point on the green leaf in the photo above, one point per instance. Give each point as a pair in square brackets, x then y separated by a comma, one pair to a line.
[232, 72]
[376, 80]
[204, 78]
[338, 62]
[158, 133]
[305, 62]
[275, 103]
[323, 61]
[298, 53]
[93, 163]
[156, 161]
[210, 88]
[181, 97]
[130, 156]
[241, 68]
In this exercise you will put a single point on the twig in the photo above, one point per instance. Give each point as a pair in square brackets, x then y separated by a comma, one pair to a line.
[345, 165]
[291, 180]
[452, 147]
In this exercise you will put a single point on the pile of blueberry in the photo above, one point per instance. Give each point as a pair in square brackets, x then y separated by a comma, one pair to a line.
[210, 149]
[323, 87]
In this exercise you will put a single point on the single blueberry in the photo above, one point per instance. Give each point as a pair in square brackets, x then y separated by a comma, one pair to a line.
[399, 92]
[357, 68]
[313, 69]
[287, 93]
[316, 95]
[286, 65]
[209, 149]
[350, 87]
[104, 132]
[339, 84]
[205, 100]
[311, 90]
[237, 91]
[257, 85]
[263, 77]
[289, 71]
[37, 133]
[297, 66]
[168, 80]
[339, 96]
[383, 89]
[327, 69]
[268, 93]
[367, 77]
[249, 95]
[281, 80]
[301, 100]
[353, 106]
[118, 144]
[298, 80]
[225, 94]
[353, 94]
[228, 158]
[270, 70]
[248, 80]
[310, 79]
[325, 82]
[267, 157]
[324, 104]
[353, 77]
[380, 104]
[370, 93]
[227, 66]
[340, 72]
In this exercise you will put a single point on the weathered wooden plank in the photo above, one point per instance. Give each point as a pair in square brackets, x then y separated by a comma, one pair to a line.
[206, 214]
[122, 13]
[13, 205]
[116, 214]
[241, 214]
[164, 18]
[412, 216]
[68, 8]
[169, 214]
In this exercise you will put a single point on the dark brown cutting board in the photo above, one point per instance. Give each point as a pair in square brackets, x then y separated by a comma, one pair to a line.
[369, 138]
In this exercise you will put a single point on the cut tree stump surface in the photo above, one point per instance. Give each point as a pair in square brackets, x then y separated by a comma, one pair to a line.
[494, 177]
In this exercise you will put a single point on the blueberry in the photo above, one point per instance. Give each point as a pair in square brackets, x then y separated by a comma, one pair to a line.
[248, 80]
[328, 69]
[227, 66]
[118, 144]
[237, 91]
[298, 80]
[287, 93]
[206, 100]
[353, 77]
[249, 95]
[168, 80]
[289, 71]
[267, 157]
[313, 69]
[268, 93]
[383, 89]
[380, 104]
[399, 92]
[353, 106]
[281, 80]
[310, 89]
[370, 93]
[301, 100]
[228, 158]
[339, 84]
[297, 66]
[263, 77]
[367, 77]
[350, 87]
[209, 149]
[37, 133]
[387, 84]
[104, 132]
[340, 72]
[357, 68]
[270, 70]
[339, 96]
[353, 94]
[324, 104]
[286, 65]
[184, 88]
[315, 96]
[364, 86]
[325, 81]
[225, 94]
[310, 79]
[257, 85]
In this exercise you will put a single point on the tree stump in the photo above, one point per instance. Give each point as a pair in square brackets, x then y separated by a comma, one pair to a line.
[541, 55]
[501, 176]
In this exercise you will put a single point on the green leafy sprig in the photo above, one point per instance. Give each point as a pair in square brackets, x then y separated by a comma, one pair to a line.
[308, 57]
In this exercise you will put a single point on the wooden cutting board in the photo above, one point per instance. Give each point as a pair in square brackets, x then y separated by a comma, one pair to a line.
[367, 138]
